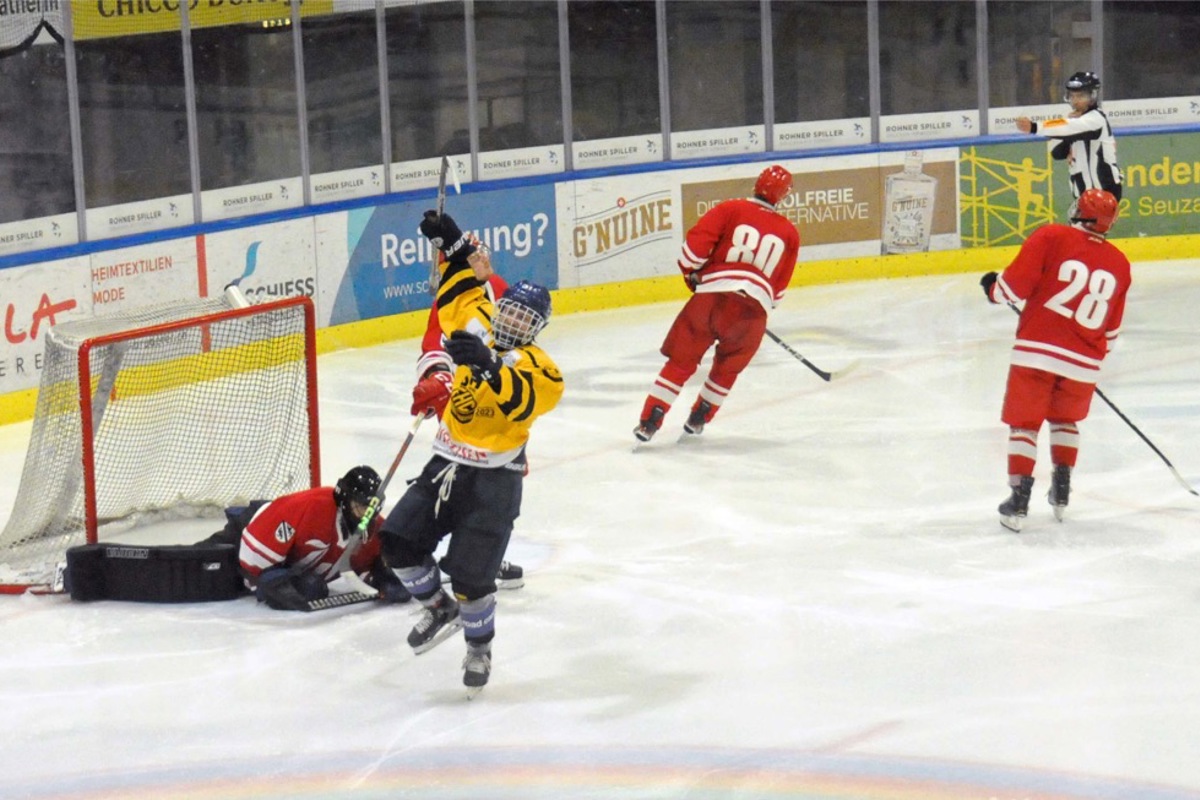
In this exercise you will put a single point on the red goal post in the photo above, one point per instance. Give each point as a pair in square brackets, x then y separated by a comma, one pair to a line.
[166, 412]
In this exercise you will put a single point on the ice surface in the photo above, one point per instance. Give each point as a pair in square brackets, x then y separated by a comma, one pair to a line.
[812, 600]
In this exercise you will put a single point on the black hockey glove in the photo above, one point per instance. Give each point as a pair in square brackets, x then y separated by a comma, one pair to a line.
[467, 349]
[987, 282]
[444, 234]
[283, 591]
[384, 581]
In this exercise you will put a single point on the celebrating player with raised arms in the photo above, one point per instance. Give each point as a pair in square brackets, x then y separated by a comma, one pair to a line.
[470, 491]
[1070, 284]
[465, 288]
[738, 260]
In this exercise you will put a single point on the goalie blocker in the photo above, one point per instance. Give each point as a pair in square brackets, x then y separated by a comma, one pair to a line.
[158, 574]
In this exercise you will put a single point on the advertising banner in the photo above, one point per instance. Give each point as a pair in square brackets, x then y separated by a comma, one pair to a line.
[253, 198]
[1162, 185]
[143, 275]
[373, 262]
[32, 300]
[617, 229]
[270, 262]
[521, 161]
[838, 204]
[1008, 190]
[931, 125]
[718, 142]
[631, 226]
[155, 214]
[617, 151]
[39, 233]
[822, 133]
[95, 19]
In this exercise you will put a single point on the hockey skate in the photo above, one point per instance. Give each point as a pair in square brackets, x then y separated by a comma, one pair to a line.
[477, 667]
[696, 420]
[438, 623]
[649, 426]
[510, 576]
[1060, 490]
[1016, 507]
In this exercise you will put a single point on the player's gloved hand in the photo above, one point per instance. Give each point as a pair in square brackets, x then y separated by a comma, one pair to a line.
[444, 234]
[692, 279]
[432, 392]
[384, 581]
[283, 591]
[468, 349]
[987, 282]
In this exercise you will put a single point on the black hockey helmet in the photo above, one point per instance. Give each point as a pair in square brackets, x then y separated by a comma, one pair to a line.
[358, 485]
[1083, 82]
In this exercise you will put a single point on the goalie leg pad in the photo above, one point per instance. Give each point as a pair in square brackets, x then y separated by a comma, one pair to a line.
[163, 574]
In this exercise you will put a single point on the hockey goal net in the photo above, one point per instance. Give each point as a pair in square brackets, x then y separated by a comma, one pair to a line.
[158, 413]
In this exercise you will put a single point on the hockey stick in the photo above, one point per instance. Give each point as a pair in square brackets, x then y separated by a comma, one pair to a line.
[340, 600]
[441, 195]
[1135, 429]
[822, 374]
[360, 533]
[434, 276]
[1144, 438]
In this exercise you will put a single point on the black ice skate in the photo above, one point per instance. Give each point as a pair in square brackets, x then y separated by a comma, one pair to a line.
[510, 576]
[1013, 510]
[477, 667]
[649, 426]
[438, 623]
[695, 421]
[1060, 490]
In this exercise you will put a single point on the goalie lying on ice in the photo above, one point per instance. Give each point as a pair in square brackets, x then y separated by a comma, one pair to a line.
[289, 548]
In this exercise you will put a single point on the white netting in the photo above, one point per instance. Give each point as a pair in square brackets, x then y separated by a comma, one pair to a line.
[187, 419]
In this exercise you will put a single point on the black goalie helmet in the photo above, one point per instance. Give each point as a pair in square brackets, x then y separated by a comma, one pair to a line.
[358, 485]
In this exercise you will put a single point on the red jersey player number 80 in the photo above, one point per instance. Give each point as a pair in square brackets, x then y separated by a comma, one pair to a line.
[748, 246]
[1093, 307]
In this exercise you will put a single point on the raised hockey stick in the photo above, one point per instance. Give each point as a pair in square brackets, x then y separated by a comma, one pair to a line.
[441, 195]
[1135, 429]
[360, 533]
[434, 276]
[822, 374]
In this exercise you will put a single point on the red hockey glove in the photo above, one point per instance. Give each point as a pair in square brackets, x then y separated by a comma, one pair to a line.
[431, 393]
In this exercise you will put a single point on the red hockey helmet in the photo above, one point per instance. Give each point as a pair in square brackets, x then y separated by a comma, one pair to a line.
[1097, 210]
[773, 184]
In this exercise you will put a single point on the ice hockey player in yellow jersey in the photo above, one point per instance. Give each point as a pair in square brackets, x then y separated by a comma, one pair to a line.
[471, 489]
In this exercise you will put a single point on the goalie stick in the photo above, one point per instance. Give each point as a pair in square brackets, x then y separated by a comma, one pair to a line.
[340, 600]
[822, 374]
[360, 535]
[1135, 429]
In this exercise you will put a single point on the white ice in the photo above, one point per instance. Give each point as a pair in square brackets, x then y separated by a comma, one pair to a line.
[813, 600]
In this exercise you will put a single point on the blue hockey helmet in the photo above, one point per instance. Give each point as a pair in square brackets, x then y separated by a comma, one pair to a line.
[521, 314]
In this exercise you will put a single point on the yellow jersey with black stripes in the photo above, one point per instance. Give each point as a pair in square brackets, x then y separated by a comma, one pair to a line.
[487, 423]
[463, 301]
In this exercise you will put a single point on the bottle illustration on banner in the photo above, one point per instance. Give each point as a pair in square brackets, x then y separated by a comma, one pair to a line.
[908, 207]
